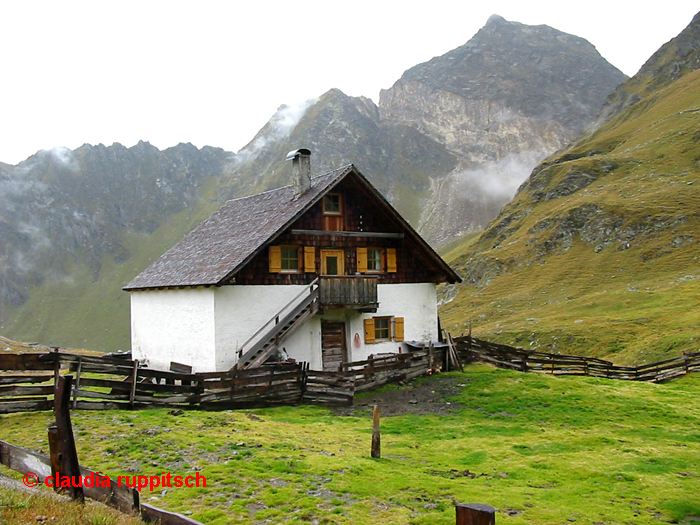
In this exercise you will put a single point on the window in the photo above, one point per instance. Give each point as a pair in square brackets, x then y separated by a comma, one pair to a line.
[292, 259]
[289, 256]
[333, 212]
[381, 329]
[375, 260]
[332, 204]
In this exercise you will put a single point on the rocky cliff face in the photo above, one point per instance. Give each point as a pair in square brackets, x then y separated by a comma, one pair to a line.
[501, 103]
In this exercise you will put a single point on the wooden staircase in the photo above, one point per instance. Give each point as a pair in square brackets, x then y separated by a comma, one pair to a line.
[264, 344]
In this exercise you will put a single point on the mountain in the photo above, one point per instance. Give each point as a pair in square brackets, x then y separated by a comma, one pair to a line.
[599, 252]
[499, 104]
[450, 141]
[76, 224]
[448, 144]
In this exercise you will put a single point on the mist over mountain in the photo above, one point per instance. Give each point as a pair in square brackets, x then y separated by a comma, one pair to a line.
[66, 216]
[448, 144]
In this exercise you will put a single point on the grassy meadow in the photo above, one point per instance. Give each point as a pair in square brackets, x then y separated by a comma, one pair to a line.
[541, 449]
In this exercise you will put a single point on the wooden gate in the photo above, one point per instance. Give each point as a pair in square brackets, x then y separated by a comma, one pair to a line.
[334, 350]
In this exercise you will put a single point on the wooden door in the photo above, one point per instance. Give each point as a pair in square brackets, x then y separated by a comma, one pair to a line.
[333, 347]
[332, 262]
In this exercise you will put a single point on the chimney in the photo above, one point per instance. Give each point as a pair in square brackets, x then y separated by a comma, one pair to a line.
[301, 170]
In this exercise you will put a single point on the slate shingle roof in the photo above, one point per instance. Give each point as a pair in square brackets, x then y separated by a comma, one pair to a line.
[229, 238]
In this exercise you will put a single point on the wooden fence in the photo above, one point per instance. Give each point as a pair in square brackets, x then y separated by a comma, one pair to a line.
[376, 371]
[503, 356]
[114, 383]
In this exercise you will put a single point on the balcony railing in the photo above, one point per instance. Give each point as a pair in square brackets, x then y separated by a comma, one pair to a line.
[349, 291]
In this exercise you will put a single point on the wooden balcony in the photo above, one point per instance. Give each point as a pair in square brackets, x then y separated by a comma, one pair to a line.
[358, 292]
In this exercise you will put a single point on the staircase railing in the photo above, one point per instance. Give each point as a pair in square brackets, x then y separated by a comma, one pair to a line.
[275, 319]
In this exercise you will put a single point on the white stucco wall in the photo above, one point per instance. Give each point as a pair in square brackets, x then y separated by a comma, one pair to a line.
[205, 327]
[242, 310]
[174, 325]
[415, 302]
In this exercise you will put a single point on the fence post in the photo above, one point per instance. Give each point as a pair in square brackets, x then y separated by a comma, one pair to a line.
[475, 514]
[77, 382]
[376, 438]
[56, 367]
[134, 376]
[64, 457]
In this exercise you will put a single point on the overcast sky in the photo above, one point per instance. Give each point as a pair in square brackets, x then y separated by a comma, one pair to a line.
[213, 72]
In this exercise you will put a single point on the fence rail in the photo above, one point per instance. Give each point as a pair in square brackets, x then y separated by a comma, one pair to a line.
[376, 371]
[503, 356]
[114, 383]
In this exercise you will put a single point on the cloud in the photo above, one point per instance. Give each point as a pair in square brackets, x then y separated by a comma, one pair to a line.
[62, 155]
[278, 127]
[498, 180]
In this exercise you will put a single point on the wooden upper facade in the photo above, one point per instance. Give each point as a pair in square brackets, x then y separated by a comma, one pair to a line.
[341, 225]
[347, 232]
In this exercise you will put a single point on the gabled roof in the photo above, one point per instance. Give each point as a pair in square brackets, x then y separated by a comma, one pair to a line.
[226, 241]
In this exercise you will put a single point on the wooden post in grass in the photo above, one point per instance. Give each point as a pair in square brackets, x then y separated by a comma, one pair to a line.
[64, 457]
[475, 514]
[376, 439]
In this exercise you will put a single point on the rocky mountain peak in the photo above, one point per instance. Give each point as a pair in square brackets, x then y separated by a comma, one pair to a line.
[499, 104]
[495, 20]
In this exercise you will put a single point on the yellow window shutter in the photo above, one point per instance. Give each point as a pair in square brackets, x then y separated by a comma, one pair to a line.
[398, 328]
[369, 331]
[309, 259]
[391, 260]
[275, 253]
[362, 260]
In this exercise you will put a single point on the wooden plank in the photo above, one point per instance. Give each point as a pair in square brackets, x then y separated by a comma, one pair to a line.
[107, 369]
[123, 498]
[10, 391]
[25, 406]
[163, 517]
[102, 395]
[11, 380]
[25, 362]
[140, 387]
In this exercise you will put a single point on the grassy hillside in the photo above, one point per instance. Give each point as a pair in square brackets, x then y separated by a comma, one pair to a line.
[541, 449]
[599, 254]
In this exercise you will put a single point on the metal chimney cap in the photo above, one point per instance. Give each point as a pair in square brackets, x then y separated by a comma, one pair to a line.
[296, 152]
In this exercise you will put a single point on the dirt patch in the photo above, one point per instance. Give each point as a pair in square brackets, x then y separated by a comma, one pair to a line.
[418, 397]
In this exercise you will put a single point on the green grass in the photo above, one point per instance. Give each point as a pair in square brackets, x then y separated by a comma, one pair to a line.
[539, 448]
[42, 506]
